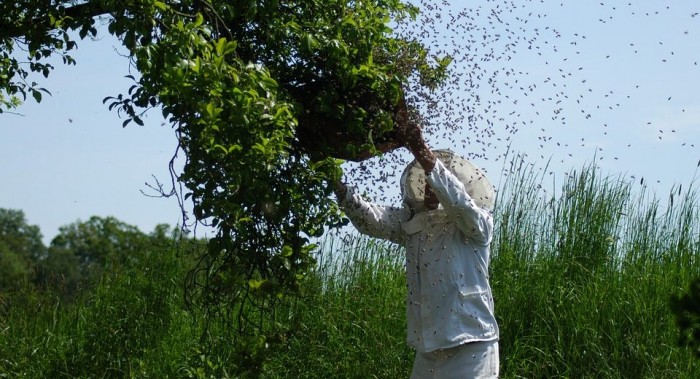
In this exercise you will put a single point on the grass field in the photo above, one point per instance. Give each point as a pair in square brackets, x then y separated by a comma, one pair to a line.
[582, 275]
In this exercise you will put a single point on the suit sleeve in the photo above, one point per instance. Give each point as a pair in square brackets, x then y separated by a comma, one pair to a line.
[371, 219]
[475, 223]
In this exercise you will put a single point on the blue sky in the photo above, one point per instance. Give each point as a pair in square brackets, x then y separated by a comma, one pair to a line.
[615, 83]
[630, 73]
[68, 158]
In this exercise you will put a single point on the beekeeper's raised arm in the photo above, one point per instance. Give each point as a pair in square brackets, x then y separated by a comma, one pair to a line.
[411, 136]
[368, 218]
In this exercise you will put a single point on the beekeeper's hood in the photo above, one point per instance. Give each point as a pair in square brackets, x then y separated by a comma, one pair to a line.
[473, 179]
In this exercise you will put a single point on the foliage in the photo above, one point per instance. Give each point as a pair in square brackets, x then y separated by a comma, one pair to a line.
[19, 236]
[350, 320]
[98, 240]
[687, 310]
[61, 270]
[586, 303]
[272, 76]
[117, 327]
[81, 250]
[252, 89]
[20, 249]
[31, 31]
[134, 314]
[76, 256]
[13, 269]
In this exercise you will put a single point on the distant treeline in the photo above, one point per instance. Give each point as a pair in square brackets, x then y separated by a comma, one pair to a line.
[76, 257]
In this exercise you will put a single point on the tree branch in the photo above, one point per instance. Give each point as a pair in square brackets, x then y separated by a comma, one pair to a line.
[10, 28]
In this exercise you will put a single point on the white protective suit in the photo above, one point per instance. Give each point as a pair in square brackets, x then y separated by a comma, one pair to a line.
[449, 300]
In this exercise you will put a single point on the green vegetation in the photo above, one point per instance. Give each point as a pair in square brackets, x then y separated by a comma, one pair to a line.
[263, 96]
[583, 281]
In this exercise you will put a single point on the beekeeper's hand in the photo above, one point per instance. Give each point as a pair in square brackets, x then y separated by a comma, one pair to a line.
[340, 189]
[411, 136]
[430, 200]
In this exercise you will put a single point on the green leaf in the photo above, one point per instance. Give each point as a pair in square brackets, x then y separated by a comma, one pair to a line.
[256, 284]
[195, 64]
[220, 46]
[287, 251]
[199, 20]
[37, 95]
[221, 148]
[310, 43]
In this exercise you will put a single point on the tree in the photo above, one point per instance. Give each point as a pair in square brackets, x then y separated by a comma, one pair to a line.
[264, 96]
[21, 248]
[98, 241]
[79, 253]
[60, 272]
[14, 270]
[20, 237]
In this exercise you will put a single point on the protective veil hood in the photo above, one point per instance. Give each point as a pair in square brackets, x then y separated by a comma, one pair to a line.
[472, 177]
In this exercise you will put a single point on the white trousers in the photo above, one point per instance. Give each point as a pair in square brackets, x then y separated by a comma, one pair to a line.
[468, 361]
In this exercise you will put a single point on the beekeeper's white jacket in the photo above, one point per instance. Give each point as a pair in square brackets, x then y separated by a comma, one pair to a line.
[449, 300]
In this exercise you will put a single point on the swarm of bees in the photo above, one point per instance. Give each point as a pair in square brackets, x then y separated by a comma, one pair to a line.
[520, 71]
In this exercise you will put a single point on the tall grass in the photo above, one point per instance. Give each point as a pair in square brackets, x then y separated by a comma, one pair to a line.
[350, 321]
[583, 280]
[582, 275]
[133, 325]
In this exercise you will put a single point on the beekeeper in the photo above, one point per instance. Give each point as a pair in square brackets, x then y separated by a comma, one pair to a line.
[446, 227]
